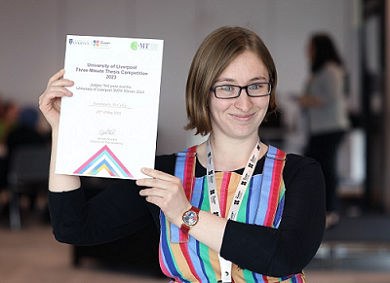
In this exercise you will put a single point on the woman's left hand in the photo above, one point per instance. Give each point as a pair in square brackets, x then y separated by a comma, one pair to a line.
[165, 191]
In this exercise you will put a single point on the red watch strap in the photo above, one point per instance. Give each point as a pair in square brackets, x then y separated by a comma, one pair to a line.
[195, 209]
[184, 228]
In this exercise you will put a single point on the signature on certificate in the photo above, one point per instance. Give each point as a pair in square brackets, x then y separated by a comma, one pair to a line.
[105, 132]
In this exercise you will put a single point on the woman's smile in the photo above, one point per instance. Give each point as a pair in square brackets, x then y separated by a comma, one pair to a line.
[242, 117]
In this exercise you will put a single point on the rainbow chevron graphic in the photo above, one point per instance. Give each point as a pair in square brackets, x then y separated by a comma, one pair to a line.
[106, 160]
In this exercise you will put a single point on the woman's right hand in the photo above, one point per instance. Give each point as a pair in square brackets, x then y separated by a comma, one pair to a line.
[50, 100]
[50, 106]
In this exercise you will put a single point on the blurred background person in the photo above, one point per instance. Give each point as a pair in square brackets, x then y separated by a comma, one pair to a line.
[9, 112]
[18, 129]
[326, 111]
[9, 117]
[2, 157]
[25, 133]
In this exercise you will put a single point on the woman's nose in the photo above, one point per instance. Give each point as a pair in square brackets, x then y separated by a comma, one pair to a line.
[244, 102]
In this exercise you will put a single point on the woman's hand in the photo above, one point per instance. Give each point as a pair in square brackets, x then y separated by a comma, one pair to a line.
[50, 100]
[165, 191]
[50, 105]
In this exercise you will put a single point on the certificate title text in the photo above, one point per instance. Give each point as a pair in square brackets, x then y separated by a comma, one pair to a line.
[111, 71]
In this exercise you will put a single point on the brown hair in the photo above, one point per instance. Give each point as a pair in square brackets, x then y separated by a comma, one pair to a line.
[215, 53]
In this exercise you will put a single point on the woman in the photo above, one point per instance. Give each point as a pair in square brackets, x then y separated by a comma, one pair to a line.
[327, 114]
[275, 223]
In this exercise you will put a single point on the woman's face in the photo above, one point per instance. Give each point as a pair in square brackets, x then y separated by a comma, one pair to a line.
[239, 117]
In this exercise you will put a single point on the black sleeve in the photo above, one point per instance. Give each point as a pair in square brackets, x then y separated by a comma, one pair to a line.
[287, 250]
[114, 213]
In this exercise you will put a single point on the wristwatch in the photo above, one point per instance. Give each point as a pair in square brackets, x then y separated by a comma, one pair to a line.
[190, 218]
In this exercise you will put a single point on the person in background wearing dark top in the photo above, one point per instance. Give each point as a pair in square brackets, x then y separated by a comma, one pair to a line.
[24, 133]
[327, 113]
[3, 152]
[8, 119]
[9, 113]
[231, 208]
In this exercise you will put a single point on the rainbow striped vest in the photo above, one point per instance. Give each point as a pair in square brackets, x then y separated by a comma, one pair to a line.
[183, 258]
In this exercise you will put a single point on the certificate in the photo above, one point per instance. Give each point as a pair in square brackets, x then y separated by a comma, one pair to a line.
[108, 127]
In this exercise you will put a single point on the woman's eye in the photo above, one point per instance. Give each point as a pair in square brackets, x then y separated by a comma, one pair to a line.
[226, 88]
[256, 86]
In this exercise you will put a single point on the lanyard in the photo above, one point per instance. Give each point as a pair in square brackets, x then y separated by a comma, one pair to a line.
[225, 265]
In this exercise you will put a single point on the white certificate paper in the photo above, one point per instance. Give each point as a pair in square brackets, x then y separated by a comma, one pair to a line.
[109, 127]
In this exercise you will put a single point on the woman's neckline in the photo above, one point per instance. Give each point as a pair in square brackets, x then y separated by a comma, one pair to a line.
[238, 170]
[203, 161]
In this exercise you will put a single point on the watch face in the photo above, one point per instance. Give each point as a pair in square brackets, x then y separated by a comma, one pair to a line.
[190, 218]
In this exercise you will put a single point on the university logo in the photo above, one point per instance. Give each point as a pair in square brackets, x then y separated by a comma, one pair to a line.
[78, 41]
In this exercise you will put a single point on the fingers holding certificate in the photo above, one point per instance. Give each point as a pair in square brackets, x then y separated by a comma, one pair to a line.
[109, 106]
[50, 100]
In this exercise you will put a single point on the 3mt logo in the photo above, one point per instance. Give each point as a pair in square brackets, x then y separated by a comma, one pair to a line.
[143, 46]
[134, 45]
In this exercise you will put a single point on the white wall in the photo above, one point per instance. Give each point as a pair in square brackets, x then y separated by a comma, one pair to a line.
[32, 41]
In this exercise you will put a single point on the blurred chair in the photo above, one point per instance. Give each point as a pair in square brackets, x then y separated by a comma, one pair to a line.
[28, 173]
